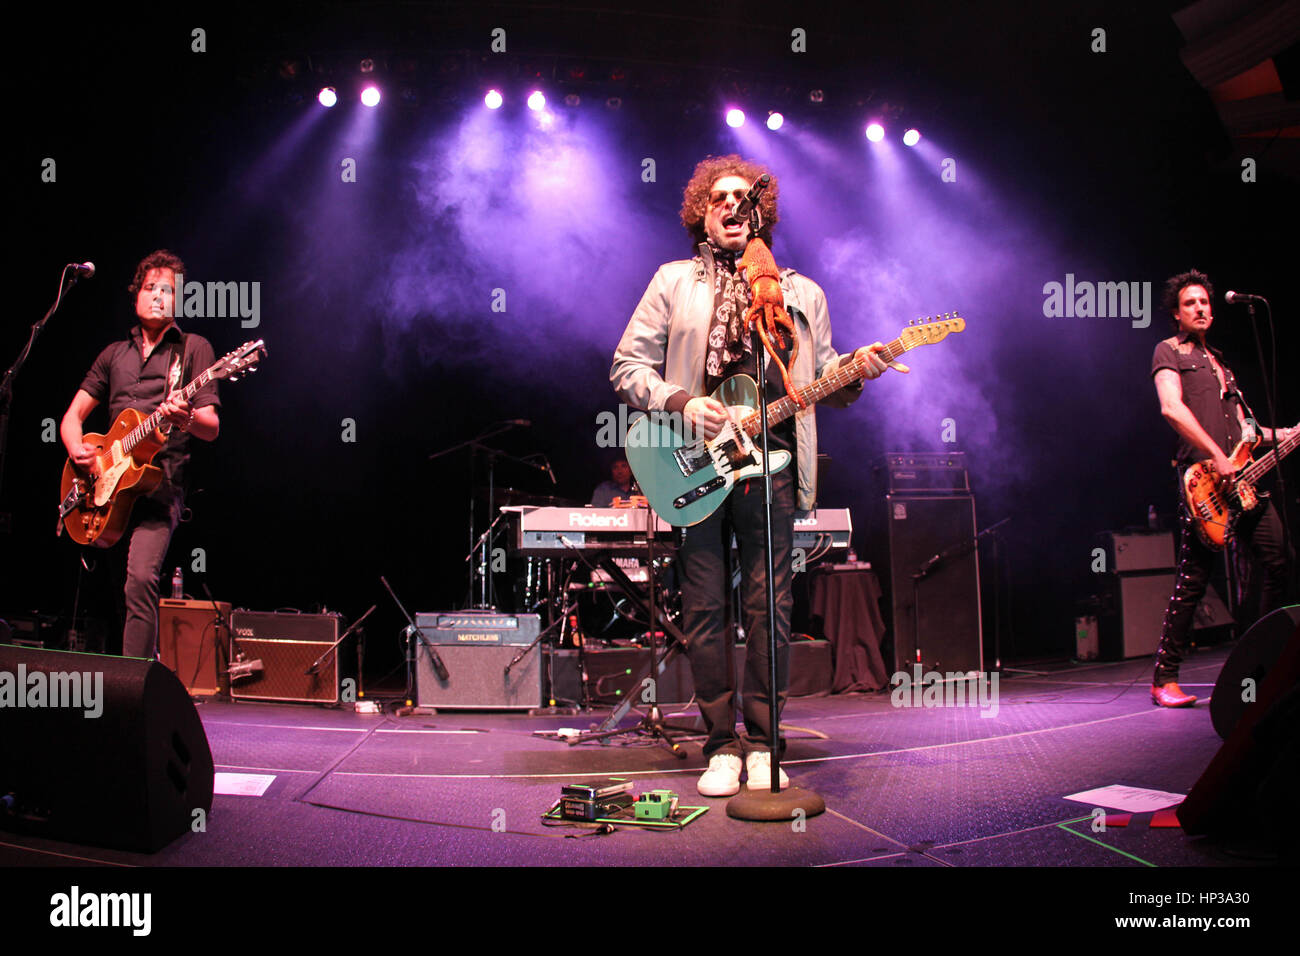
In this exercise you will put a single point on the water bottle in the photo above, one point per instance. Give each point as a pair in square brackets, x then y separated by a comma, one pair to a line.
[178, 585]
[1153, 520]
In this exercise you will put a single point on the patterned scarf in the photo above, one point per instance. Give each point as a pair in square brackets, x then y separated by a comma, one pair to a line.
[728, 343]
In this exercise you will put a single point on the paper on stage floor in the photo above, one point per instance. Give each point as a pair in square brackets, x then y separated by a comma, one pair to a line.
[1129, 799]
[242, 784]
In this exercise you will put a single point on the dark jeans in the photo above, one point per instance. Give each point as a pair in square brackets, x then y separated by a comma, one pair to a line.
[138, 560]
[1262, 530]
[702, 562]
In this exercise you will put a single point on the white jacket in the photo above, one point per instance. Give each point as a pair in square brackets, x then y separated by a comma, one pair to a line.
[662, 350]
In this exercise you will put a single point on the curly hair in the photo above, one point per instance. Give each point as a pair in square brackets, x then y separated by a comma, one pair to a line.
[1175, 285]
[159, 259]
[695, 200]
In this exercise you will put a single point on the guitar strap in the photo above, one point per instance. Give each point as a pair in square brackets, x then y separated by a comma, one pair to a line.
[176, 367]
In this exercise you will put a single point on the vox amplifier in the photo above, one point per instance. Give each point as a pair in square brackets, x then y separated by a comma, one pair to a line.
[271, 654]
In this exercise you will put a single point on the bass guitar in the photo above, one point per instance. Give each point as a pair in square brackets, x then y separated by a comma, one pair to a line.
[1216, 502]
[685, 481]
[96, 505]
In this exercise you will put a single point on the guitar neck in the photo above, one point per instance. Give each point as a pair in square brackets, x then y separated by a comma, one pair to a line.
[1258, 468]
[147, 427]
[830, 383]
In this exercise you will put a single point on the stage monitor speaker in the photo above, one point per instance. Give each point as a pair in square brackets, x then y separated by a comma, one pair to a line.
[194, 640]
[1251, 781]
[1251, 660]
[111, 754]
[286, 645]
[476, 647]
[950, 635]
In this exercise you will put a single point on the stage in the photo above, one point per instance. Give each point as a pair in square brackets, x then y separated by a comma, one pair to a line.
[904, 786]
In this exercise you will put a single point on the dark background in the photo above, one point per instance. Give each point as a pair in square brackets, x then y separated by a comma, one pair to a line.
[376, 295]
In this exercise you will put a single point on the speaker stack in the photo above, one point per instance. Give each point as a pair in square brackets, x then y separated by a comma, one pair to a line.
[931, 511]
[99, 750]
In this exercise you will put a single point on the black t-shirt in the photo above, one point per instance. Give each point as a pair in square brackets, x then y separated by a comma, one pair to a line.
[123, 380]
[1213, 405]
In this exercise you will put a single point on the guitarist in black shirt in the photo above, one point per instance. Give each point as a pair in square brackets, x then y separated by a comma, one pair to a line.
[1200, 400]
[146, 371]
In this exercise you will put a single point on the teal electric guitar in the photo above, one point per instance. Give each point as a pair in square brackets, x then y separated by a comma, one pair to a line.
[686, 481]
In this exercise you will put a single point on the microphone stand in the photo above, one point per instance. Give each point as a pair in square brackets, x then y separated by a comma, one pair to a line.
[774, 803]
[475, 445]
[928, 567]
[1270, 386]
[412, 631]
[66, 282]
[315, 666]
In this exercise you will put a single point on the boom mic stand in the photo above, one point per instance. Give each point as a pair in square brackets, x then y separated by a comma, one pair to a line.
[66, 282]
[483, 543]
[1270, 398]
[774, 803]
[412, 632]
[929, 566]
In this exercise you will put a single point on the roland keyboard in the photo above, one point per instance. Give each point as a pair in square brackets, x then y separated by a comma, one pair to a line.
[549, 532]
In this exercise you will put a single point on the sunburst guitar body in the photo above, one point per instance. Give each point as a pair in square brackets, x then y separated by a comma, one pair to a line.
[1216, 502]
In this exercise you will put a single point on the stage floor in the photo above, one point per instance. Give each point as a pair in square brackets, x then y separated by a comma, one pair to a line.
[909, 787]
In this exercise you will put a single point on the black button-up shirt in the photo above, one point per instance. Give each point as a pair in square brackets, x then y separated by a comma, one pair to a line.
[1214, 405]
[123, 379]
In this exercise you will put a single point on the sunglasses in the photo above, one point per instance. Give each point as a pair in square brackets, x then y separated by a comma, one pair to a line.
[719, 196]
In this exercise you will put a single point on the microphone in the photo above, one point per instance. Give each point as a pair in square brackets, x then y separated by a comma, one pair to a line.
[1234, 297]
[747, 204]
[547, 463]
[82, 269]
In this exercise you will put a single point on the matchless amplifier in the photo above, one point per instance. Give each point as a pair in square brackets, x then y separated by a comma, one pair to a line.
[476, 647]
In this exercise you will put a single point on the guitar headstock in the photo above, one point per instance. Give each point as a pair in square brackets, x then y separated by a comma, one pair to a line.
[931, 329]
[242, 361]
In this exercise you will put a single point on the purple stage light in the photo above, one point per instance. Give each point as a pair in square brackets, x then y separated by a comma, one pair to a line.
[327, 96]
[493, 100]
[536, 100]
[735, 118]
[775, 120]
[911, 137]
[875, 132]
[370, 96]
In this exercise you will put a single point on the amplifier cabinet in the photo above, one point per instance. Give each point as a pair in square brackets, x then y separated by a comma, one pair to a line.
[193, 637]
[287, 645]
[1140, 551]
[476, 647]
[949, 635]
[1133, 610]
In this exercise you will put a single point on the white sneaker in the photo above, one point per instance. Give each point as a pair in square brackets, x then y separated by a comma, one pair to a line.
[722, 779]
[758, 765]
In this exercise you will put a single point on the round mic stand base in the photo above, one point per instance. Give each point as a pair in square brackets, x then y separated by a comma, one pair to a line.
[765, 805]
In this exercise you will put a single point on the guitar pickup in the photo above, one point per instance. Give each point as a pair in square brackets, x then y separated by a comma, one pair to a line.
[695, 494]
